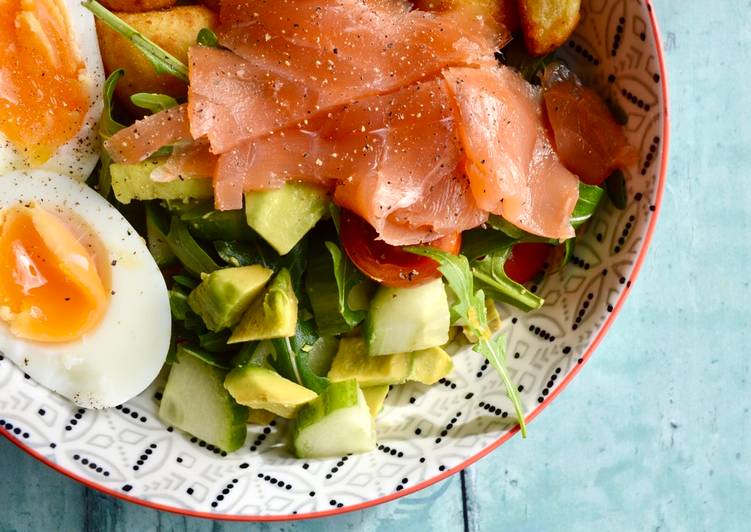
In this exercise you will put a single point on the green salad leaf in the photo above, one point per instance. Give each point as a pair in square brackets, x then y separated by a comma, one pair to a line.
[207, 37]
[152, 101]
[293, 361]
[187, 250]
[108, 126]
[490, 275]
[470, 306]
[162, 61]
[589, 199]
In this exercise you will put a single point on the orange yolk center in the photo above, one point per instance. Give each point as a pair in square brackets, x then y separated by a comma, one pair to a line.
[50, 290]
[43, 97]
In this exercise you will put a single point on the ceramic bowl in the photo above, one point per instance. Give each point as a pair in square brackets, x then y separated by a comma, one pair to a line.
[424, 434]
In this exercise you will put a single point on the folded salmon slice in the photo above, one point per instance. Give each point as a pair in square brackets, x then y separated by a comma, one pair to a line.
[298, 58]
[587, 138]
[135, 143]
[393, 159]
[512, 168]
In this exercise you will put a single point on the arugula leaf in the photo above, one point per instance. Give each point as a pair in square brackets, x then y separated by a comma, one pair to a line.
[589, 199]
[616, 187]
[471, 307]
[187, 250]
[501, 224]
[491, 277]
[108, 126]
[203, 356]
[206, 37]
[162, 61]
[152, 101]
[347, 277]
[292, 359]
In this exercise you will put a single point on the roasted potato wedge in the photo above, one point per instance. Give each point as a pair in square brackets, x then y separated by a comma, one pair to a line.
[547, 24]
[502, 11]
[173, 29]
[136, 6]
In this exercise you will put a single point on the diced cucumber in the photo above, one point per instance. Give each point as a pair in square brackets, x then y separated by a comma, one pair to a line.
[284, 215]
[272, 315]
[336, 423]
[195, 400]
[430, 365]
[133, 181]
[259, 387]
[353, 362]
[407, 319]
[225, 294]
[375, 396]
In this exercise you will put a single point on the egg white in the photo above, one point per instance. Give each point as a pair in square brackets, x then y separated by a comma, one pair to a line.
[120, 357]
[77, 157]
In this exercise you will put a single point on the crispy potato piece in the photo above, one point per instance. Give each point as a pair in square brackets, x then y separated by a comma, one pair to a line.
[502, 11]
[547, 24]
[174, 30]
[135, 6]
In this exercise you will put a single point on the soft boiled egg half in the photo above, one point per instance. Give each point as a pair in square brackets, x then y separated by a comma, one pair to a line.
[51, 80]
[84, 309]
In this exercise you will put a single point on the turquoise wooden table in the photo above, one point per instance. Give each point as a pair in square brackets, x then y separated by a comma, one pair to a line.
[657, 430]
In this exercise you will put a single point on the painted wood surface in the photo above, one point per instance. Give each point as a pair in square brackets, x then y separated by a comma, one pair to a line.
[657, 429]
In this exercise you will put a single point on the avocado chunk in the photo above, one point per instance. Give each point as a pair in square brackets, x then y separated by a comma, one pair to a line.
[430, 365]
[284, 215]
[273, 315]
[336, 423]
[133, 181]
[195, 400]
[353, 362]
[259, 387]
[407, 319]
[375, 396]
[224, 295]
[258, 416]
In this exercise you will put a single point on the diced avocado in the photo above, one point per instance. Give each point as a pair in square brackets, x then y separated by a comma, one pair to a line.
[284, 215]
[375, 396]
[430, 365]
[264, 388]
[494, 321]
[353, 362]
[157, 228]
[195, 400]
[273, 315]
[336, 423]
[224, 295]
[133, 181]
[258, 416]
[407, 319]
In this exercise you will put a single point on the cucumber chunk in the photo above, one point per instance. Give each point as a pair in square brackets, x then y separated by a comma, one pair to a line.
[336, 423]
[196, 401]
[407, 319]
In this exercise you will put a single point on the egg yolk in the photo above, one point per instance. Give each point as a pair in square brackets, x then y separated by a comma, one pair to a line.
[43, 97]
[50, 290]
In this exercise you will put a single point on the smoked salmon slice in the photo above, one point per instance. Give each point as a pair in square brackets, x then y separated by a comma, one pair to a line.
[512, 168]
[587, 138]
[392, 159]
[298, 58]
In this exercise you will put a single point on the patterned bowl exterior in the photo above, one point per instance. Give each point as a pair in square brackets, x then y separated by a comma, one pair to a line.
[425, 434]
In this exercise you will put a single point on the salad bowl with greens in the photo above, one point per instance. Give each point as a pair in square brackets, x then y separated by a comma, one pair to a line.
[314, 368]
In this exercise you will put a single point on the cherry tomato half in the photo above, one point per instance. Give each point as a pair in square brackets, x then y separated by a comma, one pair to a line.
[526, 261]
[387, 264]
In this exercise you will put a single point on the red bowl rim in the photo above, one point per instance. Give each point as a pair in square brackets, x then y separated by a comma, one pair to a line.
[471, 460]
